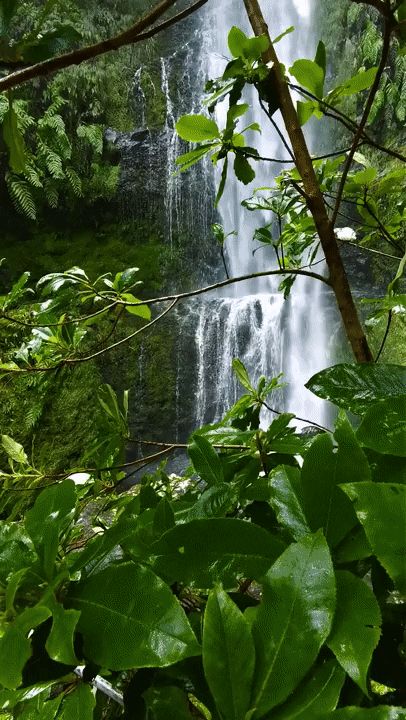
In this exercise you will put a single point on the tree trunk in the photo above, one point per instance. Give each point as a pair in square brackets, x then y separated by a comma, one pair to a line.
[315, 201]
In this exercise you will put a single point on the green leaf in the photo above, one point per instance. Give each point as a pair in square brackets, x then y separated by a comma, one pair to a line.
[383, 505]
[164, 518]
[14, 450]
[356, 628]
[361, 81]
[14, 141]
[216, 501]
[305, 110]
[142, 311]
[53, 510]
[243, 170]
[323, 469]
[318, 693]
[321, 59]
[293, 620]
[236, 42]
[310, 75]
[354, 386]
[130, 619]
[384, 427]
[355, 546]
[188, 159]
[79, 704]
[228, 655]
[16, 550]
[59, 644]
[283, 34]
[197, 128]
[364, 177]
[287, 500]
[205, 460]
[242, 375]
[15, 647]
[255, 47]
[202, 552]
[223, 181]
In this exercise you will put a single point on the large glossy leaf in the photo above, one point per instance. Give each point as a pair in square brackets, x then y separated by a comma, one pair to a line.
[205, 460]
[79, 704]
[287, 500]
[228, 655]
[293, 620]
[197, 128]
[384, 427]
[203, 552]
[319, 692]
[51, 513]
[354, 386]
[59, 644]
[41, 708]
[381, 509]
[323, 469]
[130, 618]
[356, 627]
[15, 646]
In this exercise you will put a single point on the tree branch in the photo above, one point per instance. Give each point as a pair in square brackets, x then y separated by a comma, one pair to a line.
[141, 30]
[365, 116]
[315, 200]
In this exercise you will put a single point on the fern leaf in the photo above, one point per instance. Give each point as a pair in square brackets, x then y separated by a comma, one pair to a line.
[21, 195]
[74, 181]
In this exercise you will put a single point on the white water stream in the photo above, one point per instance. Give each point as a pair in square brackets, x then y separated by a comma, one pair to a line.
[251, 320]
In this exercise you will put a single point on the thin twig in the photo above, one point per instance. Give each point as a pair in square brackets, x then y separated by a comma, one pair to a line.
[364, 119]
[385, 337]
[310, 422]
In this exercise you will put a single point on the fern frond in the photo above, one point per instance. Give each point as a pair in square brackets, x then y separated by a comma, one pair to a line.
[51, 194]
[74, 181]
[52, 161]
[32, 176]
[21, 195]
[94, 136]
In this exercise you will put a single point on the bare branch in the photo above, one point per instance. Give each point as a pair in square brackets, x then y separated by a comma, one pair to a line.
[141, 30]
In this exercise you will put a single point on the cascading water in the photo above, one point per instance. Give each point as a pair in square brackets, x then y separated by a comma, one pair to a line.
[251, 321]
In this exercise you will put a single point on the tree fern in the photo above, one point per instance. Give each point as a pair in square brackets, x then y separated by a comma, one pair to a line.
[21, 195]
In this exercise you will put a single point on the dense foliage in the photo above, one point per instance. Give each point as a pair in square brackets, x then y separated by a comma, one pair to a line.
[269, 579]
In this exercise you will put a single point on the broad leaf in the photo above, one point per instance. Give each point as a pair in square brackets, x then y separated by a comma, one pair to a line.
[59, 644]
[354, 387]
[52, 512]
[356, 627]
[202, 552]
[243, 169]
[318, 693]
[228, 655]
[130, 618]
[79, 704]
[361, 81]
[14, 450]
[293, 620]
[287, 500]
[310, 75]
[15, 646]
[197, 128]
[216, 501]
[14, 141]
[323, 469]
[205, 460]
[236, 41]
[242, 374]
[384, 427]
[378, 506]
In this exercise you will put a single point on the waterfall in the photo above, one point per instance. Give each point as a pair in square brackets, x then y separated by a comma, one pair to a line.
[251, 320]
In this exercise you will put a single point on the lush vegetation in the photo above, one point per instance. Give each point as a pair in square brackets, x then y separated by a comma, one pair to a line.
[269, 579]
